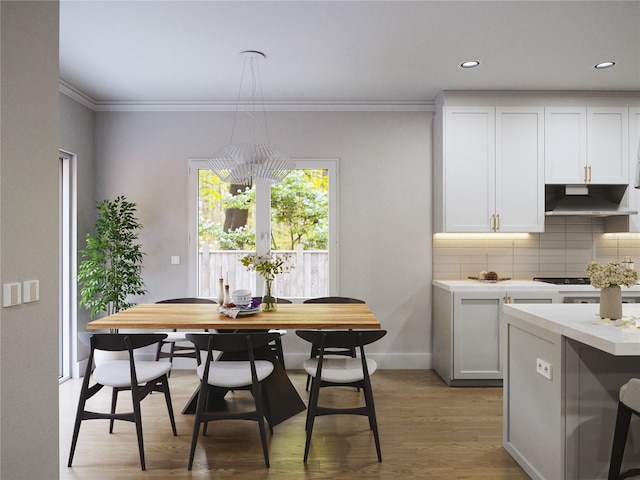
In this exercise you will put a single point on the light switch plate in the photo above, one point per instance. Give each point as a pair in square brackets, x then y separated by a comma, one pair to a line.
[30, 291]
[175, 260]
[11, 294]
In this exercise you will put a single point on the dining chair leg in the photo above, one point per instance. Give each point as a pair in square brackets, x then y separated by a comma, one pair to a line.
[138, 420]
[202, 395]
[371, 410]
[267, 406]
[311, 414]
[76, 428]
[308, 440]
[114, 401]
[257, 397]
[623, 419]
[167, 396]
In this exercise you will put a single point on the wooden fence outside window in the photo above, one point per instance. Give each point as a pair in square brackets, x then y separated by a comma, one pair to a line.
[309, 276]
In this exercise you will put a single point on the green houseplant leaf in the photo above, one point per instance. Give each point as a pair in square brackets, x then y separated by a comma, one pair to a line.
[111, 266]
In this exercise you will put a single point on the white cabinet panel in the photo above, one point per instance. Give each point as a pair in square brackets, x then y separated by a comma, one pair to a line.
[520, 169]
[586, 145]
[469, 163]
[565, 131]
[607, 144]
[634, 160]
[476, 336]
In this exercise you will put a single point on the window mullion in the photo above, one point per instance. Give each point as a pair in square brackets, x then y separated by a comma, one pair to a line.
[263, 225]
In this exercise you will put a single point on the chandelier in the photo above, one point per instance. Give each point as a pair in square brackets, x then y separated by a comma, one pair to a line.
[252, 161]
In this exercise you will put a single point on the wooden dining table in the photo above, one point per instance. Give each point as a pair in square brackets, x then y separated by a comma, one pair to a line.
[196, 316]
[283, 398]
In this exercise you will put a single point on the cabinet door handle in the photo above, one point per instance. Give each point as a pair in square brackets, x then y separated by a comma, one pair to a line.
[589, 173]
[498, 222]
[586, 176]
[493, 222]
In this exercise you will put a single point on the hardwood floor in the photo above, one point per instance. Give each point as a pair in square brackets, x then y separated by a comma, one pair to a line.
[427, 430]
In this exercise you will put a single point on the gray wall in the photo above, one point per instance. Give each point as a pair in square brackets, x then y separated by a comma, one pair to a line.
[384, 197]
[29, 238]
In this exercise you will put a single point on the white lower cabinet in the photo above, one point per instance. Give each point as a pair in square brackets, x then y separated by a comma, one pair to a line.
[467, 333]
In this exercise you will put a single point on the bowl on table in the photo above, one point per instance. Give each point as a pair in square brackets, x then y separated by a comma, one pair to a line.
[241, 298]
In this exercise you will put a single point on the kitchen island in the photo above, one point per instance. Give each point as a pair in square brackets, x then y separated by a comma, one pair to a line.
[564, 366]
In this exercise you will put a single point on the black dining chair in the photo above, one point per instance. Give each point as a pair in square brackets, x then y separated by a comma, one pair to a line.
[336, 351]
[328, 371]
[276, 345]
[232, 374]
[628, 406]
[138, 376]
[175, 337]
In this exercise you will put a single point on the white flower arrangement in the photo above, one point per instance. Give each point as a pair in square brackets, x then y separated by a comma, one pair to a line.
[268, 265]
[613, 273]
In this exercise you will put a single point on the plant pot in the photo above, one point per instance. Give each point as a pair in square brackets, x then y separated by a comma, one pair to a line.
[611, 302]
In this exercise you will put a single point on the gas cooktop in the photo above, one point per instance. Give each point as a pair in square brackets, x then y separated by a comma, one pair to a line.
[564, 280]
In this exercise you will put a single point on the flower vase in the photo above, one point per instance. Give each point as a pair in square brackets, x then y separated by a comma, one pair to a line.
[269, 303]
[611, 302]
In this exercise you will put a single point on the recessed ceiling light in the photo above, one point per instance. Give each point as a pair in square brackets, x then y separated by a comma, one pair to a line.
[470, 64]
[601, 65]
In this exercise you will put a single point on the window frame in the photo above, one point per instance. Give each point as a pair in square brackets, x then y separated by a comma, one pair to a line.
[263, 220]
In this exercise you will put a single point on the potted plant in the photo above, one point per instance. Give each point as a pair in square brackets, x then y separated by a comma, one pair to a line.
[111, 264]
[268, 266]
[608, 279]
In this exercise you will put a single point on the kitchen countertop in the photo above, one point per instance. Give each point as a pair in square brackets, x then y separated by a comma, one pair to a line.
[581, 322]
[519, 285]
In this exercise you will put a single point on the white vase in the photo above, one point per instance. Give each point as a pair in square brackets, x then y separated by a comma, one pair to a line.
[611, 302]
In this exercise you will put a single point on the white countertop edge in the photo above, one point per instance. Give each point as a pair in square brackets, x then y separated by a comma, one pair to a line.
[582, 323]
[519, 285]
[478, 286]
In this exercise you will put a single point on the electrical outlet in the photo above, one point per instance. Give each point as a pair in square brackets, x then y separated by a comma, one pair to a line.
[543, 368]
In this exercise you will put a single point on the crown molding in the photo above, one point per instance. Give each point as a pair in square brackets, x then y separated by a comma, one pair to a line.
[72, 92]
[126, 106]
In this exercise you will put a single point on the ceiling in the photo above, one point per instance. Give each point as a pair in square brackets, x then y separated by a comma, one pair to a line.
[343, 52]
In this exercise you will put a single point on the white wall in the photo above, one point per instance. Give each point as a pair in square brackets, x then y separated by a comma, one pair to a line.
[385, 203]
[29, 238]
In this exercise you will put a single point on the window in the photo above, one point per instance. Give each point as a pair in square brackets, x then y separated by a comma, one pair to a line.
[296, 217]
[68, 254]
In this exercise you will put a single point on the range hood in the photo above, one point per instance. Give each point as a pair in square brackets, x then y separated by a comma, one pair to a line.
[586, 200]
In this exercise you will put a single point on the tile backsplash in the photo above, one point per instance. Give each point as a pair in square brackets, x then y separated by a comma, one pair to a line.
[564, 249]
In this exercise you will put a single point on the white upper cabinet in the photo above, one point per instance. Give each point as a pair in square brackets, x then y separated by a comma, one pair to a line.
[469, 169]
[634, 161]
[586, 145]
[488, 174]
[520, 169]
